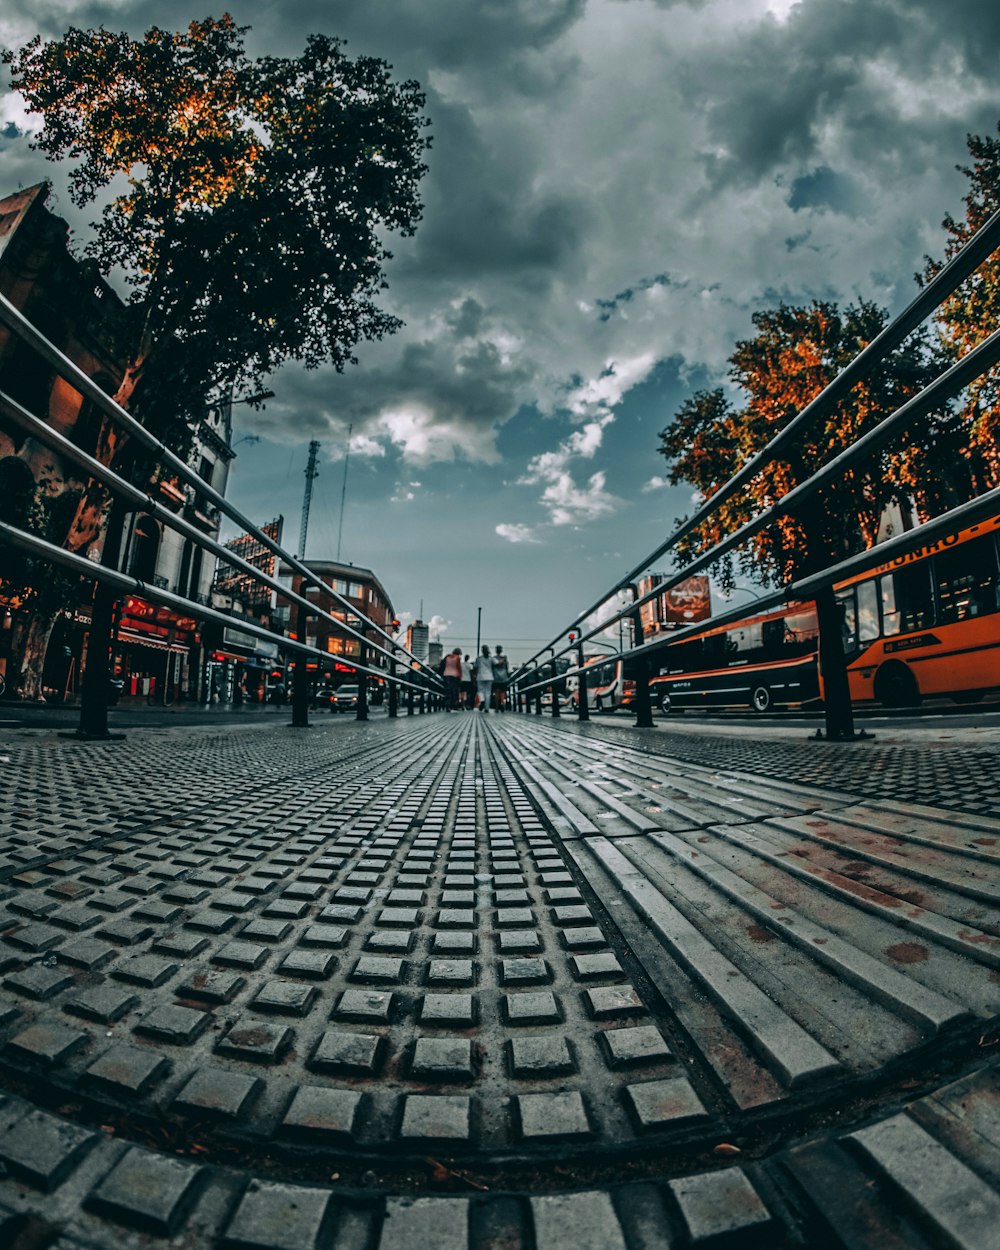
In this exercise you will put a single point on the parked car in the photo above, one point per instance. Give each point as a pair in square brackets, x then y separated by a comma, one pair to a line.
[344, 699]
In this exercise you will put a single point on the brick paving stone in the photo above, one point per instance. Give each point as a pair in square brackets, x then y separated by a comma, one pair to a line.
[656, 1103]
[528, 971]
[556, 1115]
[584, 1221]
[256, 1041]
[211, 986]
[540, 1056]
[538, 1007]
[42, 1150]
[323, 935]
[437, 1117]
[126, 1070]
[38, 982]
[376, 969]
[313, 965]
[266, 930]
[182, 945]
[125, 932]
[611, 1002]
[635, 1046]
[218, 1092]
[341, 1052]
[45, 1043]
[451, 972]
[147, 970]
[179, 1026]
[151, 1192]
[273, 1216]
[36, 937]
[322, 1112]
[237, 954]
[103, 1003]
[442, 1059]
[721, 1208]
[441, 1223]
[458, 1010]
[590, 967]
[375, 1005]
[284, 998]
[455, 943]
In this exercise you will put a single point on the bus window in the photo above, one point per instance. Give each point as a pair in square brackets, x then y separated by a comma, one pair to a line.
[800, 633]
[774, 639]
[746, 638]
[966, 579]
[906, 600]
[868, 627]
[848, 619]
[715, 647]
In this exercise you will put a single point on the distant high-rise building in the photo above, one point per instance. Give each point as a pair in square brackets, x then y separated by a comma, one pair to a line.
[418, 636]
[435, 653]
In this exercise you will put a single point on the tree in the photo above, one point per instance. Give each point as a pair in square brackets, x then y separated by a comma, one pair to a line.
[972, 313]
[795, 353]
[259, 194]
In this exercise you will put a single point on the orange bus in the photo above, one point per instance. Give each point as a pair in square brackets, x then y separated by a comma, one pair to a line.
[922, 624]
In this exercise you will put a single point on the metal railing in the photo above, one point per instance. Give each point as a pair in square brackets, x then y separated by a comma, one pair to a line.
[418, 678]
[531, 675]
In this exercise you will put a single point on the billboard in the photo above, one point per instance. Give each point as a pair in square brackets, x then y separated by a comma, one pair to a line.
[683, 604]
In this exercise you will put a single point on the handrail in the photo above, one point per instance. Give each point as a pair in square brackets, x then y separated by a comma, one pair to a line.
[31, 543]
[80, 381]
[983, 243]
[58, 442]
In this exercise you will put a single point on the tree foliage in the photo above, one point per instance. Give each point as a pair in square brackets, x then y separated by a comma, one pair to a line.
[795, 353]
[258, 196]
[972, 313]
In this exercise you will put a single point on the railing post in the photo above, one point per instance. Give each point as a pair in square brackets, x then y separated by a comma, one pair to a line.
[300, 682]
[362, 684]
[838, 712]
[538, 693]
[409, 695]
[95, 686]
[643, 703]
[582, 698]
[393, 691]
[553, 688]
[423, 696]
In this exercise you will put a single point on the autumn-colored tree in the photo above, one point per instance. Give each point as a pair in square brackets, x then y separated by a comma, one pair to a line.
[259, 193]
[972, 313]
[795, 353]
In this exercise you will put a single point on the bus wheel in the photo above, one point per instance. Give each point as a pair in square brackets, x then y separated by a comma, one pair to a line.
[760, 700]
[664, 701]
[895, 686]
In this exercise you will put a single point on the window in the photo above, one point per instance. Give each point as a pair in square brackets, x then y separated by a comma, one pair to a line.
[906, 600]
[966, 580]
[145, 547]
[848, 606]
[868, 624]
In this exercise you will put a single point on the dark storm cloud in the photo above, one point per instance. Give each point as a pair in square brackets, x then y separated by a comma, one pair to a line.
[849, 64]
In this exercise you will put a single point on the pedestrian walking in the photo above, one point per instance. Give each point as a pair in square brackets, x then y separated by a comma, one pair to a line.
[278, 694]
[452, 674]
[484, 679]
[501, 679]
[468, 685]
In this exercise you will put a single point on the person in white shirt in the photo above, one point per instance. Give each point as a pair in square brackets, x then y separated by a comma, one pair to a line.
[484, 679]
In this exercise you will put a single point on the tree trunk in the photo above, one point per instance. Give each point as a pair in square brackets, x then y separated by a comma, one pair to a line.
[34, 645]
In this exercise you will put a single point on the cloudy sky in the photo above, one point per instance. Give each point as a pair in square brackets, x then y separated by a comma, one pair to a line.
[615, 186]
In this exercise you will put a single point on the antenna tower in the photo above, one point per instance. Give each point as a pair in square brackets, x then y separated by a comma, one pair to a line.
[343, 489]
[311, 474]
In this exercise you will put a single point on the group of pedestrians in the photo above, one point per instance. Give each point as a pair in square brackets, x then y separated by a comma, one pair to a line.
[480, 683]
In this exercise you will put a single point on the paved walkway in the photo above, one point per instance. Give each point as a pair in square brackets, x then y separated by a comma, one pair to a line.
[477, 982]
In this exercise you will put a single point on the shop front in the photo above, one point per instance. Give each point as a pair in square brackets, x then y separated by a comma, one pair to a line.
[150, 655]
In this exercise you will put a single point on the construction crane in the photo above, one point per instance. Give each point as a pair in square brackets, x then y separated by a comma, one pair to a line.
[311, 474]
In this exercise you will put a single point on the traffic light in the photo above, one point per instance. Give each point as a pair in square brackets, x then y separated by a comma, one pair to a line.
[572, 636]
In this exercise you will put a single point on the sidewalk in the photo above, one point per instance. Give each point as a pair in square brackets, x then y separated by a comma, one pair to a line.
[463, 982]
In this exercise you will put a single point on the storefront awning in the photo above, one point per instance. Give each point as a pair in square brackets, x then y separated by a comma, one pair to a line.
[154, 644]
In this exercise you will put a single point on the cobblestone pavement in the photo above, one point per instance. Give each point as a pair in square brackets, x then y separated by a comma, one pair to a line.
[479, 982]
